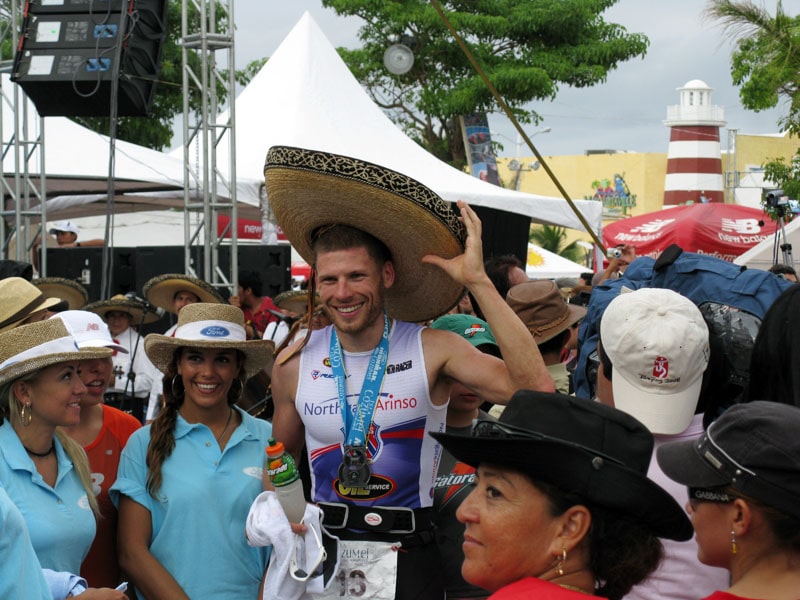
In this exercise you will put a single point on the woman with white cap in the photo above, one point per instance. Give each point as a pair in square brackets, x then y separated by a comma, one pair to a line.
[103, 432]
[743, 477]
[44, 471]
[186, 481]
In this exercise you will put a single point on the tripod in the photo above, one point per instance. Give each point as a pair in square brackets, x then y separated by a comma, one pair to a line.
[784, 246]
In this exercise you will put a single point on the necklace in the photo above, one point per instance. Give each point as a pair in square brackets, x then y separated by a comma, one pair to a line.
[227, 423]
[573, 588]
[41, 454]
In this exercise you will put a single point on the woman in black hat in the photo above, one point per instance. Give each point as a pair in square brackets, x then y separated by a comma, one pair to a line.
[743, 477]
[562, 507]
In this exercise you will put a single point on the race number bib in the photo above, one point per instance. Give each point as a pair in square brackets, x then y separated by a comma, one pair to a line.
[367, 571]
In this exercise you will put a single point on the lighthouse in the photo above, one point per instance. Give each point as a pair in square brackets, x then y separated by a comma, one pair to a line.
[694, 163]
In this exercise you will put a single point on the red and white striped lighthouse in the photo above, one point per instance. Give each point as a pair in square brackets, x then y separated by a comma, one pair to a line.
[694, 163]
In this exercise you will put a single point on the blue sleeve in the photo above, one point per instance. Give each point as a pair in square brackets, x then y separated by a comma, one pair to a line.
[63, 584]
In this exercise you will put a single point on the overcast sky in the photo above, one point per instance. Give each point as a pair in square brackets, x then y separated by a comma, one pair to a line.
[626, 113]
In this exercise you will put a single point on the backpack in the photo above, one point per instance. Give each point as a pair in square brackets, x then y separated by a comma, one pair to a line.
[733, 301]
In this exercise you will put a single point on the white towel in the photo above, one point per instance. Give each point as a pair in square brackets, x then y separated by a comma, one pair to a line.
[267, 525]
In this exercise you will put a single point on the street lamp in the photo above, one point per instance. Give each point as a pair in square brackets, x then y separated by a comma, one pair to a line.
[516, 165]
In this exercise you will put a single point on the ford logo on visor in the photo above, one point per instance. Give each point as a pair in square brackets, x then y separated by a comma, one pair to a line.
[215, 331]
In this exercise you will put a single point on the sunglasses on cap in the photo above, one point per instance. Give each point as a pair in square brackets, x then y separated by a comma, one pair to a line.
[497, 430]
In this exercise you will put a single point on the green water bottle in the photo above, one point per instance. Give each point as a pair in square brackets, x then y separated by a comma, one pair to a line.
[285, 477]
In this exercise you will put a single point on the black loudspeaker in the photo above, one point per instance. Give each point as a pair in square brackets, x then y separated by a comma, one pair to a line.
[134, 266]
[66, 57]
[504, 232]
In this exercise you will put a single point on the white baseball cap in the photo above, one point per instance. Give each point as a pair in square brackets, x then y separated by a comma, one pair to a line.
[657, 342]
[89, 330]
[64, 226]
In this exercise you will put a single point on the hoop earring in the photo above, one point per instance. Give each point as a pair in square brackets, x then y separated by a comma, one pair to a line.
[734, 547]
[175, 387]
[561, 560]
[237, 396]
[25, 415]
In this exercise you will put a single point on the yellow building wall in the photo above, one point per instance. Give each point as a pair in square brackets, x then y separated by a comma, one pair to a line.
[643, 172]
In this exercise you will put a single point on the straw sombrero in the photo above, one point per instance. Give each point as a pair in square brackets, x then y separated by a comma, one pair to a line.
[68, 290]
[294, 301]
[121, 303]
[161, 290]
[31, 347]
[205, 325]
[308, 189]
[19, 299]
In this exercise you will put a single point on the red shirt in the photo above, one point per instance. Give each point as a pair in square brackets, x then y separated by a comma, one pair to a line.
[261, 317]
[101, 568]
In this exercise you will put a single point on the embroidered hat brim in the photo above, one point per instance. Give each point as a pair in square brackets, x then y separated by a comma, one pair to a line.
[308, 189]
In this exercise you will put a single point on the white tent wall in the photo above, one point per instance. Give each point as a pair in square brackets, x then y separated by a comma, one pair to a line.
[306, 96]
[762, 255]
[543, 264]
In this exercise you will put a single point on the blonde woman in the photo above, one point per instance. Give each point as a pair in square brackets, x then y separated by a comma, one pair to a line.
[44, 471]
[186, 481]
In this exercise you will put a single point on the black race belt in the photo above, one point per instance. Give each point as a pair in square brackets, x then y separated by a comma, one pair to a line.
[396, 520]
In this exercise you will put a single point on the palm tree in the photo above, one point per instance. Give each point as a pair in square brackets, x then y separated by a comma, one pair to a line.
[552, 238]
[766, 61]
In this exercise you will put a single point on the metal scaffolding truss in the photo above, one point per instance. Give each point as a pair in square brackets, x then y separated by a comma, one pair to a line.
[207, 40]
[23, 211]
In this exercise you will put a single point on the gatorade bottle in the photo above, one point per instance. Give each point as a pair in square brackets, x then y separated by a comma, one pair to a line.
[285, 477]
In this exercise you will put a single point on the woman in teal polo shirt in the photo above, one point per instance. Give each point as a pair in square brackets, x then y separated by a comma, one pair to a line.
[186, 481]
[44, 472]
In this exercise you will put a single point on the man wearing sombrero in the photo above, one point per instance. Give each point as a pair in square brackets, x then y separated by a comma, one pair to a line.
[173, 291]
[132, 369]
[363, 393]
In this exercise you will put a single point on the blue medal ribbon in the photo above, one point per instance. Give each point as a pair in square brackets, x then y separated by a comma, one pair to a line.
[357, 425]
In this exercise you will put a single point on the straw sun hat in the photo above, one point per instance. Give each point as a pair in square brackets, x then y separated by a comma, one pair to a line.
[19, 299]
[68, 290]
[204, 325]
[308, 189]
[295, 301]
[120, 303]
[31, 347]
[161, 290]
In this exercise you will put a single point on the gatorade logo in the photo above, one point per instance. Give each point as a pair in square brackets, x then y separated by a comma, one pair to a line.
[473, 329]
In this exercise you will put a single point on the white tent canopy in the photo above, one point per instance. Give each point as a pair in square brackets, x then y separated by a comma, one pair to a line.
[306, 96]
[543, 264]
[762, 255]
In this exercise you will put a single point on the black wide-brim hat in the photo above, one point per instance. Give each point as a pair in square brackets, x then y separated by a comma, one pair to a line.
[596, 452]
[308, 189]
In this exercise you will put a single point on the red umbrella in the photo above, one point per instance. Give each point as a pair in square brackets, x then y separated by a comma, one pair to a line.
[722, 230]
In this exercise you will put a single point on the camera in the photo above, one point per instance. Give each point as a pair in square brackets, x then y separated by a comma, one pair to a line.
[776, 198]
[614, 253]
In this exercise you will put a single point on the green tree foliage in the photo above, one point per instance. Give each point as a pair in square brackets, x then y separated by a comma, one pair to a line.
[766, 66]
[528, 48]
[766, 61]
[156, 130]
[553, 238]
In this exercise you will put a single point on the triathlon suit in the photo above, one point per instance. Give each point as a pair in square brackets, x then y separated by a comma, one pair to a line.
[403, 456]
